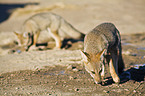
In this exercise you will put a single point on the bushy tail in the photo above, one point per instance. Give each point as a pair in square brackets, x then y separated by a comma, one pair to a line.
[71, 31]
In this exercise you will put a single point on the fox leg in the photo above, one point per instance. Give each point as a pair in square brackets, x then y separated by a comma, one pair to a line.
[56, 37]
[103, 72]
[34, 40]
[113, 66]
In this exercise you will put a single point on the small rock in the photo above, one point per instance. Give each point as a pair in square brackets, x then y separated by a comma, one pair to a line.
[49, 94]
[126, 52]
[69, 67]
[12, 75]
[29, 93]
[56, 83]
[142, 57]
[71, 78]
[134, 91]
[126, 89]
[76, 89]
[19, 51]
[17, 88]
[105, 91]
[75, 70]
[133, 54]
[24, 79]
[63, 85]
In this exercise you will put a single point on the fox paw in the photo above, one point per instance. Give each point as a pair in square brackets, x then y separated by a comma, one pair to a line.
[32, 48]
[56, 48]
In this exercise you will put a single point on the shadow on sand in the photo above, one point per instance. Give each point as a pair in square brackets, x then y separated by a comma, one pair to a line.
[135, 74]
[5, 9]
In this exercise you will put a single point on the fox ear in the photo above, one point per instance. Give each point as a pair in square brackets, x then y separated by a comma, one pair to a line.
[100, 53]
[84, 55]
[16, 33]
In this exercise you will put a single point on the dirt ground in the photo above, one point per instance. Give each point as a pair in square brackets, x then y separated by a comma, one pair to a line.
[72, 79]
[61, 72]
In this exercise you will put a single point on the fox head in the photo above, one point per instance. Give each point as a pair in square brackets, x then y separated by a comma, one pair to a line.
[22, 38]
[94, 64]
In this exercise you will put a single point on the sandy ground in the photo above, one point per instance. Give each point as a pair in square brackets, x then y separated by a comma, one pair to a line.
[60, 72]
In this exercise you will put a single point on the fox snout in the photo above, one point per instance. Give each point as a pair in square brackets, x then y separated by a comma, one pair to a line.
[96, 76]
[94, 66]
[95, 71]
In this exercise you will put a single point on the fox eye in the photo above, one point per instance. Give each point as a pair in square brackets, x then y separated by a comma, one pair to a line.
[93, 72]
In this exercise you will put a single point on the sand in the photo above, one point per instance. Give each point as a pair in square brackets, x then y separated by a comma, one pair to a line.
[43, 72]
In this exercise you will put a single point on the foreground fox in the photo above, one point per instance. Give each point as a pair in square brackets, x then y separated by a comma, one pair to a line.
[103, 44]
[57, 27]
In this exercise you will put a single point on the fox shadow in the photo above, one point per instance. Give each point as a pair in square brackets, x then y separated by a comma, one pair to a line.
[66, 43]
[5, 9]
[134, 74]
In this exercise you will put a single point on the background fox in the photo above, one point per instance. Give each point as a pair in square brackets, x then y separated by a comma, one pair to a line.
[103, 44]
[57, 27]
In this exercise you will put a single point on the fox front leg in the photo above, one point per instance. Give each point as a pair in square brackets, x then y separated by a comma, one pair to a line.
[34, 39]
[113, 66]
[103, 71]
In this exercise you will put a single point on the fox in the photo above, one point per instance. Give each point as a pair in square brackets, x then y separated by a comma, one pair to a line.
[102, 46]
[58, 29]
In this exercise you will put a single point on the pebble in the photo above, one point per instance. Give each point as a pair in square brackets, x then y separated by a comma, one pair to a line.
[126, 89]
[29, 93]
[133, 54]
[75, 70]
[17, 88]
[70, 67]
[134, 91]
[105, 91]
[126, 52]
[12, 75]
[76, 89]
[56, 83]
[70, 77]
[49, 94]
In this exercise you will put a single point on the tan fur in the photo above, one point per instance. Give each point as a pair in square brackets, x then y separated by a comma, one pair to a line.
[57, 27]
[103, 44]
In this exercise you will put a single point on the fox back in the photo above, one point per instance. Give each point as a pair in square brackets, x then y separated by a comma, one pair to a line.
[102, 40]
[42, 21]
[104, 36]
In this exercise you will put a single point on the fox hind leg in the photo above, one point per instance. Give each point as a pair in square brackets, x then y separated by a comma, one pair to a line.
[56, 37]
